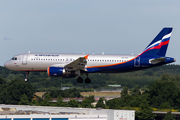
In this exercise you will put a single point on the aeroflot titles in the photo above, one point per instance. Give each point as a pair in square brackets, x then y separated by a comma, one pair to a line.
[45, 55]
[58, 55]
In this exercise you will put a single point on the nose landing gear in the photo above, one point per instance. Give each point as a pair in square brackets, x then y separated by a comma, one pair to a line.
[26, 79]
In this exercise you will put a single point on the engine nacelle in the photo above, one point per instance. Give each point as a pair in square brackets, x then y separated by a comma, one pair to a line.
[57, 72]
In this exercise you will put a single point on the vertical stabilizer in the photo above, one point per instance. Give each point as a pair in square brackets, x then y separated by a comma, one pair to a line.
[158, 46]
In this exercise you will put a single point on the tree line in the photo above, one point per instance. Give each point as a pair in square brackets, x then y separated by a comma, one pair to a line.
[42, 82]
[161, 94]
[160, 86]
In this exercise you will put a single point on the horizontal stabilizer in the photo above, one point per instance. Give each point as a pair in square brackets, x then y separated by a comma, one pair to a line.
[157, 60]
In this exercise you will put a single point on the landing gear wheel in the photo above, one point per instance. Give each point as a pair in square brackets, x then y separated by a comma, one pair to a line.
[87, 80]
[79, 80]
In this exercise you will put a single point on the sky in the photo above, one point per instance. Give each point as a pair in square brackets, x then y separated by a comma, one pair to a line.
[86, 26]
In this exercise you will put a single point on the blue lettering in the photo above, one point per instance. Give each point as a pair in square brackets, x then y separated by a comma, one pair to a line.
[46, 55]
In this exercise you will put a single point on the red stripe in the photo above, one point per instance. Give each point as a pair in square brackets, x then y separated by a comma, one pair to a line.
[156, 47]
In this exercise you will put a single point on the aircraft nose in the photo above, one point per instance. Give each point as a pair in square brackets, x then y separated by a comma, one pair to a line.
[7, 64]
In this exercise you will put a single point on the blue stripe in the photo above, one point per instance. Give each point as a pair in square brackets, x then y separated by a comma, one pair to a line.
[40, 118]
[129, 66]
[166, 39]
[22, 118]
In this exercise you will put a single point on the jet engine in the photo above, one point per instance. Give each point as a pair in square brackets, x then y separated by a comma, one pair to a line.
[57, 72]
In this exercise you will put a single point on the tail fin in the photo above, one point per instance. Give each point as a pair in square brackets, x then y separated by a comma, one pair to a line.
[159, 45]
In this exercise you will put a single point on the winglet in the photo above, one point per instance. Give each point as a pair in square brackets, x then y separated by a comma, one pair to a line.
[86, 56]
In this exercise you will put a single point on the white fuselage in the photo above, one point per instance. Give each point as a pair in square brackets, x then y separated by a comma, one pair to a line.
[41, 61]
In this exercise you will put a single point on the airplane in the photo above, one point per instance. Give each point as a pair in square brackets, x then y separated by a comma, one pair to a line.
[72, 65]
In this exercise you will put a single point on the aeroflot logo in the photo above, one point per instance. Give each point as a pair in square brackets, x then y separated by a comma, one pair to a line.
[46, 55]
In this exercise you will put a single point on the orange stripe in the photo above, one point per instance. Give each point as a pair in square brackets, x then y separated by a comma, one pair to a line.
[111, 64]
[48, 71]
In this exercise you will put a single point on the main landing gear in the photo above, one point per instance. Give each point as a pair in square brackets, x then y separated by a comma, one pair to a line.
[80, 80]
[26, 79]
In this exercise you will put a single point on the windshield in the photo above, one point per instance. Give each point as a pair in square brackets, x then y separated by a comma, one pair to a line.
[14, 58]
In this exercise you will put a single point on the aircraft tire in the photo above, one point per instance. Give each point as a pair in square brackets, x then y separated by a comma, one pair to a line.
[79, 80]
[87, 80]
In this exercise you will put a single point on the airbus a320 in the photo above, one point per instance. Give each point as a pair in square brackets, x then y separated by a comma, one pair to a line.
[72, 65]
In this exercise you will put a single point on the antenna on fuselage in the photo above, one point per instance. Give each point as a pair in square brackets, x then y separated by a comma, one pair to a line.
[29, 51]
[103, 53]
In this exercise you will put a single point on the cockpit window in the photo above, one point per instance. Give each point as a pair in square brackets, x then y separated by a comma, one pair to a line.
[14, 58]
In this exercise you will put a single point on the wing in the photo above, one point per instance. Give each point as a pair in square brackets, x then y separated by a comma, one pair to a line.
[78, 64]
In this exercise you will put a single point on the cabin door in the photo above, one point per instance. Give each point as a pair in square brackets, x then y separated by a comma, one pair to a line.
[24, 59]
[137, 62]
